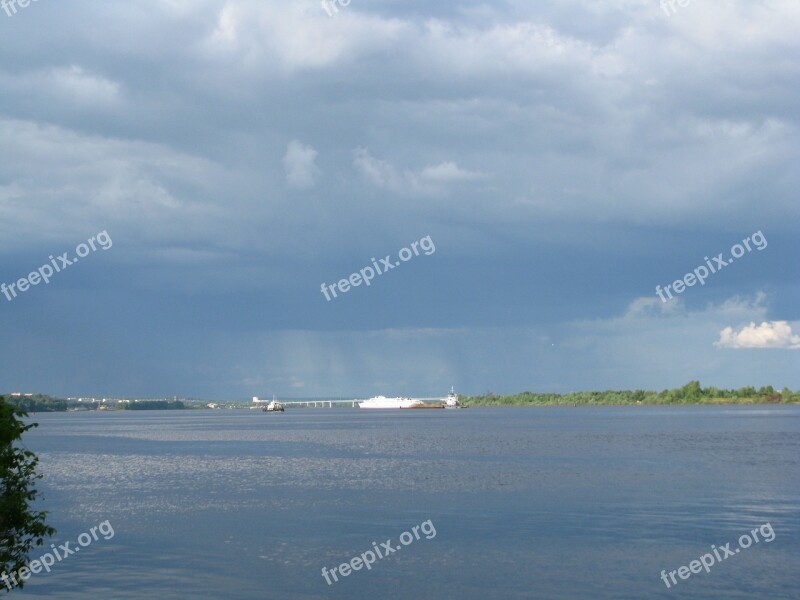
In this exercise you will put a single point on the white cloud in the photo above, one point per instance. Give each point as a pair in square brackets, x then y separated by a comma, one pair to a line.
[294, 36]
[647, 305]
[377, 172]
[225, 31]
[770, 334]
[73, 86]
[56, 176]
[85, 87]
[299, 165]
[431, 180]
[447, 172]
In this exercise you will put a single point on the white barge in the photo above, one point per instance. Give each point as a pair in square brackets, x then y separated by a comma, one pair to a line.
[382, 402]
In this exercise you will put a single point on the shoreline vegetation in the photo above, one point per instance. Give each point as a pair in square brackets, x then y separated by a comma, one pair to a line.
[33, 403]
[691, 393]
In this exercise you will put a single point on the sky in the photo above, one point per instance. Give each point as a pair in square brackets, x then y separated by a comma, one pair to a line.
[544, 169]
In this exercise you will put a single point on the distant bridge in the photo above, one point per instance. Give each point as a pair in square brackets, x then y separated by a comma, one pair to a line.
[322, 403]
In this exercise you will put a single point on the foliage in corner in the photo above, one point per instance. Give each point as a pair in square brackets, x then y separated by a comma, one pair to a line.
[21, 527]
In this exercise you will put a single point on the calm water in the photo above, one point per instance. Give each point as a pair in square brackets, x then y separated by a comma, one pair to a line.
[526, 502]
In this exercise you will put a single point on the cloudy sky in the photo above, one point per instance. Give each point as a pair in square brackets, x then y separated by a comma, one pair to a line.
[564, 157]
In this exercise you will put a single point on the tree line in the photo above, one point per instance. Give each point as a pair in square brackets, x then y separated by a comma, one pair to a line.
[151, 405]
[37, 403]
[691, 393]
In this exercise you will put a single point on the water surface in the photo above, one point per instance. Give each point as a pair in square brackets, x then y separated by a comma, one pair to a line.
[546, 502]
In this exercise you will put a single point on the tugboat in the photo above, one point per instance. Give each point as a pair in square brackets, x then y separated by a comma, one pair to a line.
[273, 406]
[452, 400]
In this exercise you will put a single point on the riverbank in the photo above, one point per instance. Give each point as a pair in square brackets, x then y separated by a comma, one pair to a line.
[691, 393]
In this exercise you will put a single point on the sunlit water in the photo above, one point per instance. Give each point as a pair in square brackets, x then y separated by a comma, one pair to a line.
[526, 502]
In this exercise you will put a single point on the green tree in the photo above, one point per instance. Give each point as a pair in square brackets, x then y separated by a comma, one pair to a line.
[691, 391]
[21, 527]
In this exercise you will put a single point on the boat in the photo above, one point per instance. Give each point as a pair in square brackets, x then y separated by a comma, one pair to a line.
[273, 406]
[382, 402]
[452, 400]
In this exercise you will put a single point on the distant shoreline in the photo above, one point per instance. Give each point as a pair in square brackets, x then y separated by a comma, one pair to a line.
[714, 402]
[690, 394]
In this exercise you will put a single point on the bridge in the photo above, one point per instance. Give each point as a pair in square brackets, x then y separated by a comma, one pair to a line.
[322, 403]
